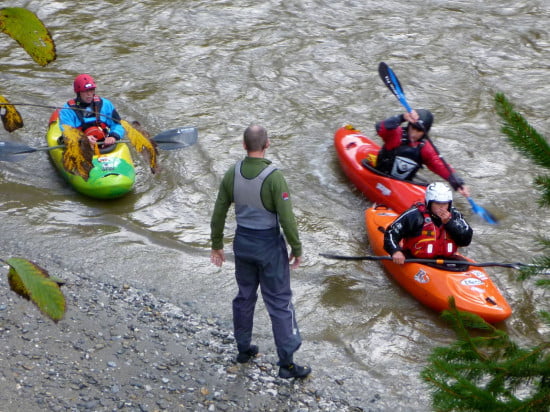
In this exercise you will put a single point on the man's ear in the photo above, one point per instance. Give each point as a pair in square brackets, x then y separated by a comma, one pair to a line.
[244, 146]
[267, 144]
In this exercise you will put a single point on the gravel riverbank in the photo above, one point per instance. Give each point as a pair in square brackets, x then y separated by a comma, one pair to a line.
[119, 348]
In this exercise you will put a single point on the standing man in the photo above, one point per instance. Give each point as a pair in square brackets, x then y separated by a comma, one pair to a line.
[262, 203]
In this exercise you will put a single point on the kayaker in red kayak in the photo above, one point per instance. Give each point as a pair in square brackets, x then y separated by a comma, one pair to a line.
[434, 229]
[407, 148]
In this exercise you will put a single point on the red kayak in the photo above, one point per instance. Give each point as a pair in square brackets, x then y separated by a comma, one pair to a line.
[357, 154]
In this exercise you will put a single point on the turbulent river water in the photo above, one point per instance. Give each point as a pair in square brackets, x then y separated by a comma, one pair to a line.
[302, 69]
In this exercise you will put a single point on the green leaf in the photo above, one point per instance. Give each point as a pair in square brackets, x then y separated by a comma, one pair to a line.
[32, 282]
[27, 30]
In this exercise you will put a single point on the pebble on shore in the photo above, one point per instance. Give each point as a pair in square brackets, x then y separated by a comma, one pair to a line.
[119, 348]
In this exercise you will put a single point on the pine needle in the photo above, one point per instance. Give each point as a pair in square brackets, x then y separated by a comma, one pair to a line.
[528, 141]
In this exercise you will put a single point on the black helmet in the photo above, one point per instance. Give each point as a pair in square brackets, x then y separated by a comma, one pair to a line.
[425, 120]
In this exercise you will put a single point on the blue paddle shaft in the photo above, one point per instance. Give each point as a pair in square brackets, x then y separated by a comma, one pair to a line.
[398, 92]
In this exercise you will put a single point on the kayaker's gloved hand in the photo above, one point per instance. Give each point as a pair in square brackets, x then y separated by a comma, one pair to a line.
[455, 181]
[458, 184]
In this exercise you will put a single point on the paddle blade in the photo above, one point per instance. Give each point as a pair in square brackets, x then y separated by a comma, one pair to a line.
[177, 138]
[478, 210]
[13, 151]
[392, 82]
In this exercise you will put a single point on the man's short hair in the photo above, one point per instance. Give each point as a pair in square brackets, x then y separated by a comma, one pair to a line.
[255, 138]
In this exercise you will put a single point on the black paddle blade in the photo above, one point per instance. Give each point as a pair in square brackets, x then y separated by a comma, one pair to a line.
[177, 138]
[13, 151]
[389, 78]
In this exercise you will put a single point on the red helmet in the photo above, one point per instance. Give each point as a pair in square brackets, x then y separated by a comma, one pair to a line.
[83, 82]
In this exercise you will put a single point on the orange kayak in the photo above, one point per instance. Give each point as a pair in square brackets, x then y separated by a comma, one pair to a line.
[357, 154]
[470, 286]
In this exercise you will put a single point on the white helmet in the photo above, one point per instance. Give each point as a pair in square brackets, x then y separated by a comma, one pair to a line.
[438, 192]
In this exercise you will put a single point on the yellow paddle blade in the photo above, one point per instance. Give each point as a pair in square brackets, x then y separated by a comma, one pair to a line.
[78, 156]
[10, 117]
[26, 29]
[142, 144]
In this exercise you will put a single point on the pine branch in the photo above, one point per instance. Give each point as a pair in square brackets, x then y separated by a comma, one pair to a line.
[487, 371]
[522, 135]
[543, 184]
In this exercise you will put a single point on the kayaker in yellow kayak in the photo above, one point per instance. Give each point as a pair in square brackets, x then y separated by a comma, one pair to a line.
[94, 115]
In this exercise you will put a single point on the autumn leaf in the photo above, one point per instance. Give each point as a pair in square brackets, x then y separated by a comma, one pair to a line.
[26, 29]
[33, 283]
[10, 117]
[78, 155]
[142, 144]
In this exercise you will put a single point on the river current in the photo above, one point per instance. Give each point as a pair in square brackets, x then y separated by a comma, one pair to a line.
[302, 69]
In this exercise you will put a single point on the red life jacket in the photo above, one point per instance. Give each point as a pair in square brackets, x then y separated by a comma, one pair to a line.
[98, 129]
[432, 242]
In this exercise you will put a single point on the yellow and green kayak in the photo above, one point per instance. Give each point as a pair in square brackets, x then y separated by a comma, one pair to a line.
[113, 173]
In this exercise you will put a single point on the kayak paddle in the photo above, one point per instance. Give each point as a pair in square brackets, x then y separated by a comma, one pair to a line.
[392, 82]
[485, 214]
[449, 262]
[390, 79]
[172, 139]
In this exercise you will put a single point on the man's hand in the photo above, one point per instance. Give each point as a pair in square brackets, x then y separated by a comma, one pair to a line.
[217, 257]
[294, 261]
[463, 190]
[109, 140]
[441, 210]
[398, 257]
[411, 117]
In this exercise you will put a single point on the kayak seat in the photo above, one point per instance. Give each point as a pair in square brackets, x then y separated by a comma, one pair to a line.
[107, 149]
[366, 163]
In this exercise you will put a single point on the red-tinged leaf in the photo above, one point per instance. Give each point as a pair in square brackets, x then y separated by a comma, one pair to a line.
[11, 118]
